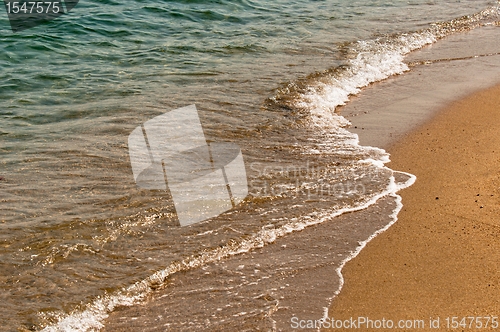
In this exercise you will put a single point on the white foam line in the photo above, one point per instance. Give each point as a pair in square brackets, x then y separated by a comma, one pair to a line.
[375, 61]
[394, 216]
[92, 318]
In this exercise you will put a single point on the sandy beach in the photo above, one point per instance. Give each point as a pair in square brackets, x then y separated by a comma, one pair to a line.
[213, 165]
[441, 259]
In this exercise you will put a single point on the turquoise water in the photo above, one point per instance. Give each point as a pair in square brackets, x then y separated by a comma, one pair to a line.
[73, 224]
[106, 50]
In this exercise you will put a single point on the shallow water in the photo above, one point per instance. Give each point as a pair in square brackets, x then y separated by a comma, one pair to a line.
[78, 234]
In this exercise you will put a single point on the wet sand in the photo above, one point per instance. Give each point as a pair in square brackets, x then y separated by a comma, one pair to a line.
[449, 70]
[441, 259]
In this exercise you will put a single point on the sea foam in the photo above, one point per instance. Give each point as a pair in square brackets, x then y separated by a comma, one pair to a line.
[368, 61]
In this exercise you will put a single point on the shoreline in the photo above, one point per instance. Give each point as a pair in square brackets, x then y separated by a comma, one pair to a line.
[440, 259]
[447, 71]
[287, 294]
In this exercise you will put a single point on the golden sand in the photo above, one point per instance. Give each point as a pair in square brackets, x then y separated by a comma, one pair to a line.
[442, 257]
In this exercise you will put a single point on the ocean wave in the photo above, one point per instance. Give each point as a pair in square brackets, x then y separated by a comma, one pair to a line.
[368, 61]
[318, 96]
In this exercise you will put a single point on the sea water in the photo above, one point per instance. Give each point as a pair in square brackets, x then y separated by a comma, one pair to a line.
[79, 238]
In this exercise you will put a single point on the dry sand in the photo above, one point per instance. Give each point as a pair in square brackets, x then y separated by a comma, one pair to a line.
[442, 257]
